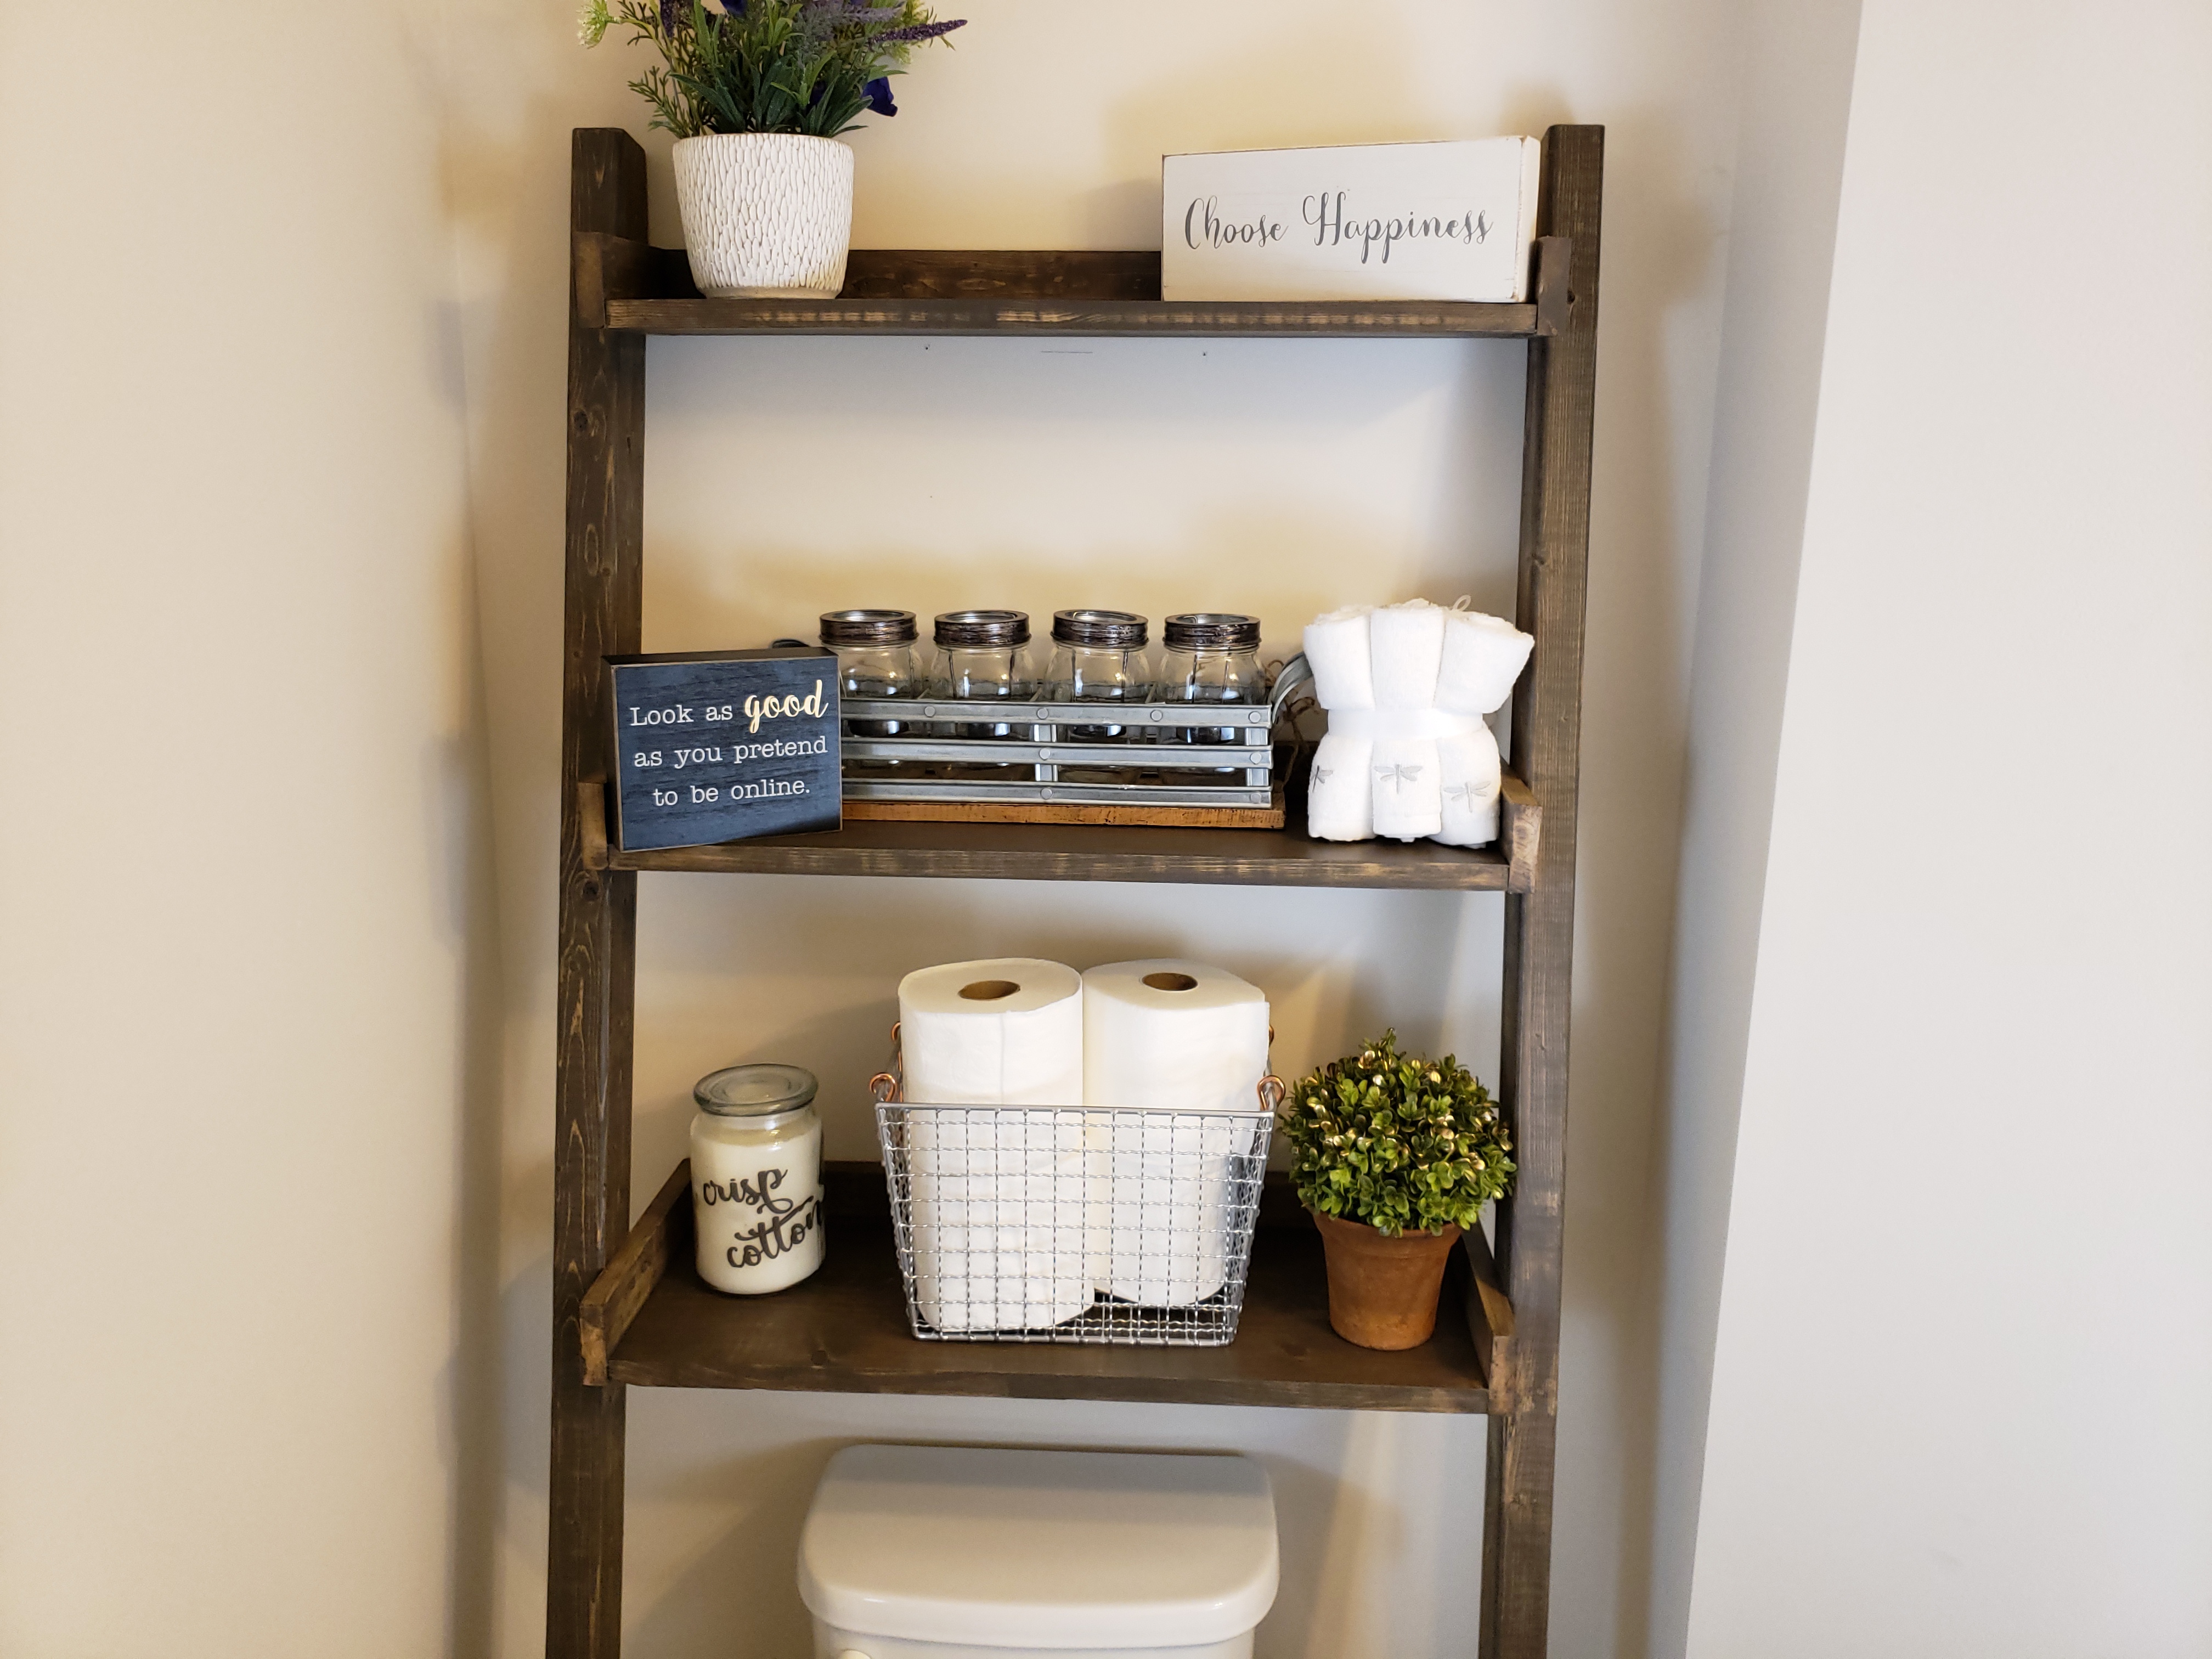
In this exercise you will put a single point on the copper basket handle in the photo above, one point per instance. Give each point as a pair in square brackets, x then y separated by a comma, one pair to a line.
[888, 1087]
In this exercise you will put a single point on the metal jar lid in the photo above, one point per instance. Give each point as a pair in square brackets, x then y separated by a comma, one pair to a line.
[756, 1090]
[1122, 628]
[1212, 630]
[983, 628]
[868, 627]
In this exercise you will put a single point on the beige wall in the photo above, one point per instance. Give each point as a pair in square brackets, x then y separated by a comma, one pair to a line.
[244, 922]
[1965, 1342]
[1781, 247]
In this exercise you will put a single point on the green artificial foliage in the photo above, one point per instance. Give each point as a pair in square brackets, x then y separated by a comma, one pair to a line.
[1396, 1141]
[805, 66]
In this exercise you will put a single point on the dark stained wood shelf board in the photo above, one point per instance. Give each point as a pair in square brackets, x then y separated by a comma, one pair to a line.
[1355, 319]
[1084, 852]
[630, 286]
[845, 1331]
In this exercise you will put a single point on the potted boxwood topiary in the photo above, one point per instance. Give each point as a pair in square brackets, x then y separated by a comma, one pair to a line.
[1394, 1156]
[757, 91]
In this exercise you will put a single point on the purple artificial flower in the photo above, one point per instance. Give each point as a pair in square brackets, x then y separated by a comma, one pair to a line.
[674, 14]
[878, 94]
[914, 33]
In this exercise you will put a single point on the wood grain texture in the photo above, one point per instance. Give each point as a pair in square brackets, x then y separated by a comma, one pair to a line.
[1010, 273]
[1488, 1312]
[1068, 852]
[1010, 811]
[597, 927]
[1369, 320]
[1520, 831]
[625, 283]
[1540, 923]
[1554, 258]
[623, 1285]
[592, 822]
[845, 1331]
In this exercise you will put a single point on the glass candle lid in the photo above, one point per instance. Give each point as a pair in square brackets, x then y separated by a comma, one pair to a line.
[756, 1090]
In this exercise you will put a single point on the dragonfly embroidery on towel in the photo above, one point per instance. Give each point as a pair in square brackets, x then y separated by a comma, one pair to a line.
[1324, 774]
[1397, 776]
[1466, 794]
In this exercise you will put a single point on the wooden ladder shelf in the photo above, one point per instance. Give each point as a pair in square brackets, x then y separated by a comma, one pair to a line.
[627, 1308]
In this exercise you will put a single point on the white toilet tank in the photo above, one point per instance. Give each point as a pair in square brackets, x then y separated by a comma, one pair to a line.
[972, 1552]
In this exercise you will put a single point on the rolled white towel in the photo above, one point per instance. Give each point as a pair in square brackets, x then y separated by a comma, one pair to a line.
[1337, 652]
[1408, 790]
[1406, 643]
[1340, 790]
[1482, 657]
[1470, 776]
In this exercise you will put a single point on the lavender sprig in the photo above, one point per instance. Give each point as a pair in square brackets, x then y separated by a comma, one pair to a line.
[914, 33]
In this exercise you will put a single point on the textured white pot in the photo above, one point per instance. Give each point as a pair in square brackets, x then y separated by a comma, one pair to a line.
[766, 214]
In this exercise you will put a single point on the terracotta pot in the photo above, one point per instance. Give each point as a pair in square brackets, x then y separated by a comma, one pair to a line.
[1382, 1291]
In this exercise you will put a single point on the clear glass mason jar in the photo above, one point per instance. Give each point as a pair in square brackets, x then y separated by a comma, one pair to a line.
[756, 1178]
[1211, 656]
[877, 657]
[1098, 656]
[979, 654]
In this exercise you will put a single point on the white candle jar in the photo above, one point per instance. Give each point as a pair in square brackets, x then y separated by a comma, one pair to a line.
[756, 1178]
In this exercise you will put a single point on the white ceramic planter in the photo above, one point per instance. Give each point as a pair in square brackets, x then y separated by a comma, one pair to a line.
[766, 214]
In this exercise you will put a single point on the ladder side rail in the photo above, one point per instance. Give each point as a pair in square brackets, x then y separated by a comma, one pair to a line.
[1516, 1537]
[603, 611]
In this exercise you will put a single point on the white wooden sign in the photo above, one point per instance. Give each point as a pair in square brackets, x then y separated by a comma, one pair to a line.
[1448, 220]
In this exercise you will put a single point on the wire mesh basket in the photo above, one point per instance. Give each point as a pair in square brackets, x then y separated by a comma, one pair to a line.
[1075, 1223]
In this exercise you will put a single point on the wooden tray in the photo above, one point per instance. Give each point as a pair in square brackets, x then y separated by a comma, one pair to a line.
[1270, 817]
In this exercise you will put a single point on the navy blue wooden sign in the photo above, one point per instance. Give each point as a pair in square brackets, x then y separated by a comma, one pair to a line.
[722, 745]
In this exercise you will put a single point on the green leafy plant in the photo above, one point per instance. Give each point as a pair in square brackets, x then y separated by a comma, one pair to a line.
[1396, 1141]
[807, 66]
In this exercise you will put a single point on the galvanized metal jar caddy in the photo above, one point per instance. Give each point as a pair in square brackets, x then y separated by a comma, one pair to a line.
[1166, 754]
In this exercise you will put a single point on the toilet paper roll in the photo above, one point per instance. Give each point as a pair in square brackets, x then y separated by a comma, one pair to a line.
[1164, 1043]
[1005, 1032]
[999, 1193]
[1178, 1035]
[1004, 1237]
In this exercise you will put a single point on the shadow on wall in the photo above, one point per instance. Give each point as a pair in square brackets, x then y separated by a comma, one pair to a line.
[471, 1386]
